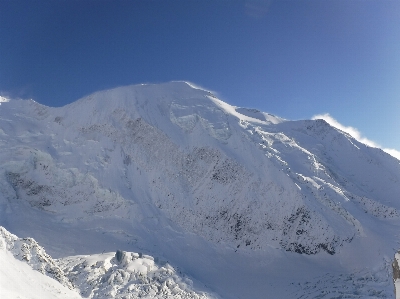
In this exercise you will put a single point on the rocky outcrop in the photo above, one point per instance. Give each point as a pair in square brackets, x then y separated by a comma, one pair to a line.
[396, 275]
[127, 275]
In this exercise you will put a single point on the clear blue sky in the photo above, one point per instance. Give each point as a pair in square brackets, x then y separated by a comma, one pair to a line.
[292, 58]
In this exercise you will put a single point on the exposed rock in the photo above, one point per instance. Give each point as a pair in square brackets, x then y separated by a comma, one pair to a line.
[396, 275]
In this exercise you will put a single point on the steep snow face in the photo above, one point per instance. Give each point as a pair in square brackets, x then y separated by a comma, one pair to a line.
[43, 185]
[262, 116]
[27, 271]
[150, 165]
[19, 281]
[29, 251]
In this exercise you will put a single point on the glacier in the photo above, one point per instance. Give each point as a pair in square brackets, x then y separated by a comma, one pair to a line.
[245, 203]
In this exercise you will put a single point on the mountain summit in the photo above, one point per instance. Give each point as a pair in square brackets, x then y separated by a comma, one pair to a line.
[172, 170]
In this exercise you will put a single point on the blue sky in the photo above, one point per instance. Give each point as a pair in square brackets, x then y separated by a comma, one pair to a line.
[292, 58]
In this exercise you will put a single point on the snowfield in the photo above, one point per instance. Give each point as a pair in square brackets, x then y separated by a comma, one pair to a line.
[245, 203]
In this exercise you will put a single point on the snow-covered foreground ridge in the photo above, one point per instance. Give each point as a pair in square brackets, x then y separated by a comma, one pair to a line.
[109, 275]
[171, 170]
[24, 265]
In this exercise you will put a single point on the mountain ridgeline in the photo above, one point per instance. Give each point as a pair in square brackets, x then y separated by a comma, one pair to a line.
[173, 157]
[231, 175]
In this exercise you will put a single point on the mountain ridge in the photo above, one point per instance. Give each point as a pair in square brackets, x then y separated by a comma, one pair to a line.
[147, 166]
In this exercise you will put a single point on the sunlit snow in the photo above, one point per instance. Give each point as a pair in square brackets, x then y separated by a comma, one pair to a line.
[239, 202]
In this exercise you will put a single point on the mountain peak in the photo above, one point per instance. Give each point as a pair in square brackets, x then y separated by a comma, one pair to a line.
[173, 170]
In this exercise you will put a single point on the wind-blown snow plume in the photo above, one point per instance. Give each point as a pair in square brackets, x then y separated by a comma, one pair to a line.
[355, 133]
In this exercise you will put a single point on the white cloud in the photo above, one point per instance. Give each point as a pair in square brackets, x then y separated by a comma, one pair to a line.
[355, 133]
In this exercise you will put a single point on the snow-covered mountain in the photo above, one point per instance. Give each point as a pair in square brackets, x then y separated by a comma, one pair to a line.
[245, 203]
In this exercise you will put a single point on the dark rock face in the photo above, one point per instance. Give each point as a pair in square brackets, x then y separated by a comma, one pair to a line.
[119, 255]
[396, 273]
[396, 270]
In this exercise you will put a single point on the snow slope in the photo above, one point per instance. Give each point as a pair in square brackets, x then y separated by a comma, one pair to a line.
[18, 280]
[28, 272]
[175, 172]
